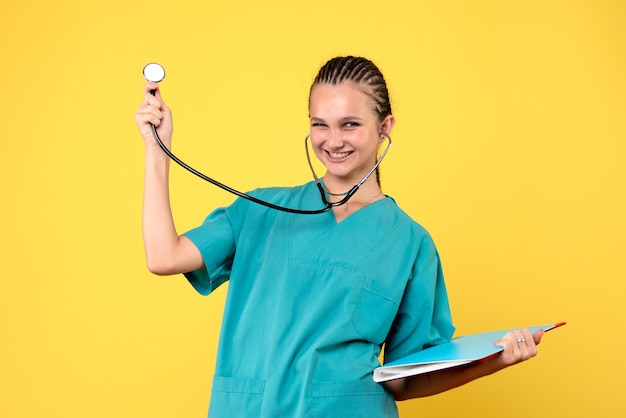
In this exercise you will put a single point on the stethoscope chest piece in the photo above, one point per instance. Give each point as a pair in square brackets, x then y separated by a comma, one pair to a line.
[154, 72]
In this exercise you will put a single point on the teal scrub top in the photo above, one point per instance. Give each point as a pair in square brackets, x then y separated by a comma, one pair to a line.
[311, 301]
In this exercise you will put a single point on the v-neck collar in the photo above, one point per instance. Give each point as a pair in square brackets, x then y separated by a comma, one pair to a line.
[350, 215]
[361, 232]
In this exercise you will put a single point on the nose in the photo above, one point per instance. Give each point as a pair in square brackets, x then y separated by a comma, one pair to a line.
[335, 140]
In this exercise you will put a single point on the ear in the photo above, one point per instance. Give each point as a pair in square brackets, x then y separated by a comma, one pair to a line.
[387, 124]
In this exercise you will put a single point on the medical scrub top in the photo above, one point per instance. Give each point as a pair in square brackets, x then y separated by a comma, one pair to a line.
[311, 301]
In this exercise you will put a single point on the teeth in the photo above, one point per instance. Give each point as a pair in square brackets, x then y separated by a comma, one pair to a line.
[338, 155]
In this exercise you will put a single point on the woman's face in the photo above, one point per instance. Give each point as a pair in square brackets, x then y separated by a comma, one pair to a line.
[345, 130]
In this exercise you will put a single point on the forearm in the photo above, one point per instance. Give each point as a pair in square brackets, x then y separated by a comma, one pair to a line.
[440, 381]
[517, 346]
[159, 233]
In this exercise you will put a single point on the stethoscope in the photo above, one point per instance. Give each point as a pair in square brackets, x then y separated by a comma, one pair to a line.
[156, 73]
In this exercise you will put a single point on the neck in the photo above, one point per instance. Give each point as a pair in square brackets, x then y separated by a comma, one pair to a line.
[337, 189]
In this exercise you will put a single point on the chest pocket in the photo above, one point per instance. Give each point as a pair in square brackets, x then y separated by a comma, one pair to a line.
[375, 308]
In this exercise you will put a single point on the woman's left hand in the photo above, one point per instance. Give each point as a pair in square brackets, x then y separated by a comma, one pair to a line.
[518, 345]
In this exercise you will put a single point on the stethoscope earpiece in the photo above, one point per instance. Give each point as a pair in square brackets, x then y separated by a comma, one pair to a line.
[154, 72]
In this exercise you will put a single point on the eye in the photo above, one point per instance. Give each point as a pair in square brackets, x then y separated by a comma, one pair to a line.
[352, 124]
[317, 125]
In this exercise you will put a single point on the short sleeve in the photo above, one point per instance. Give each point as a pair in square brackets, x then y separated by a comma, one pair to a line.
[423, 318]
[215, 239]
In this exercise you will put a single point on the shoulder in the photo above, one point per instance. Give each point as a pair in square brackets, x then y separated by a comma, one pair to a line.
[282, 196]
[405, 221]
[410, 238]
[291, 197]
[278, 191]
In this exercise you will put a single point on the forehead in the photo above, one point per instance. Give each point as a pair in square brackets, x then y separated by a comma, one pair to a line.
[346, 96]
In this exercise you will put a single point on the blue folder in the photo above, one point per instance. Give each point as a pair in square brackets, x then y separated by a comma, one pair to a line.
[456, 352]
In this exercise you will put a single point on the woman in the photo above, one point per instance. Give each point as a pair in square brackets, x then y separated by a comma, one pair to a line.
[313, 298]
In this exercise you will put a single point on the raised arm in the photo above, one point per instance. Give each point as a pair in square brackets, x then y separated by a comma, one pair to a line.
[518, 346]
[166, 251]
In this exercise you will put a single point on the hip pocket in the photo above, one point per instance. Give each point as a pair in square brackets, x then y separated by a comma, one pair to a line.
[235, 397]
[353, 399]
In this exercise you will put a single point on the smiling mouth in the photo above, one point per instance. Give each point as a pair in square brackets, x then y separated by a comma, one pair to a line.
[338, 155]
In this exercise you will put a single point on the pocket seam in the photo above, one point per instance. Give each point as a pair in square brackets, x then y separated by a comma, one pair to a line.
[331, 389]
[238, 385]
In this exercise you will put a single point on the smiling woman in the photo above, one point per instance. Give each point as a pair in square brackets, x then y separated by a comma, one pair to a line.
[368, 272]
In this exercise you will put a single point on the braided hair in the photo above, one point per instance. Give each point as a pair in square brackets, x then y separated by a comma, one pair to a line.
[361, 71]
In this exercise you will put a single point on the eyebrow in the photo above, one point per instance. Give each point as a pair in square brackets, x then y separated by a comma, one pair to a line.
[344, 119]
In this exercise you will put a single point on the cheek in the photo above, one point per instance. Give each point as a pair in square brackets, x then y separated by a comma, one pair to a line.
[314, 143]
[316, 138]
[369, 143]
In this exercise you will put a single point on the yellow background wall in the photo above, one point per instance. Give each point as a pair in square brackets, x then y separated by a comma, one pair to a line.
[509, 148]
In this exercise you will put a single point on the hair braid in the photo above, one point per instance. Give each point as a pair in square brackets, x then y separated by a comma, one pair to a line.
[361, 71]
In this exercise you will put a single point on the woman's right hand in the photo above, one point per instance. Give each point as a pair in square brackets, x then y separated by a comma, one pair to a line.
[154, 111]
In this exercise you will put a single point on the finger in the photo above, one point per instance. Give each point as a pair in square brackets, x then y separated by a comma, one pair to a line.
[149, 114]
[526, 337]
[517, 343]
[149, 106]
[531, 347]
[151, 87]
[526, 343]
[510, 352]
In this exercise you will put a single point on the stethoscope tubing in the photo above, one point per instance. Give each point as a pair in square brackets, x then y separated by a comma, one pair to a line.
[327, 205]
[234, 191]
